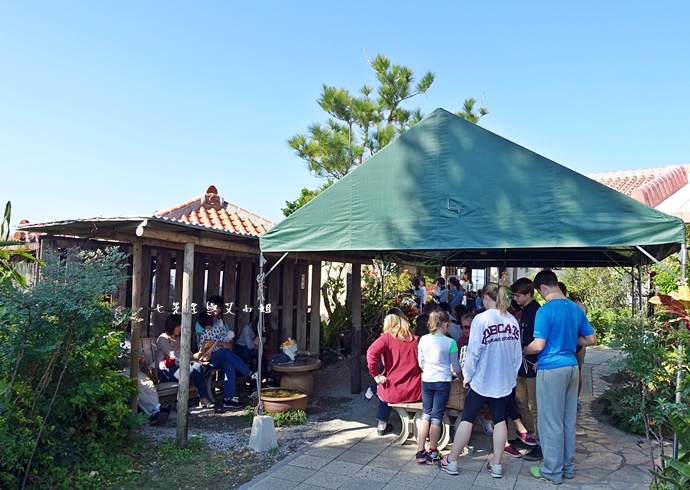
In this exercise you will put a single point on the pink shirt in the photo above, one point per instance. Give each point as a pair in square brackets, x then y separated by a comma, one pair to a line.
[403, 376]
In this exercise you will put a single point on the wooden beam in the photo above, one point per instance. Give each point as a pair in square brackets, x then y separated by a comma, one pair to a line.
[356, 332]
[31, 246]
[185, 345]
[315, 318]
[137, 267]
[145, 231]
[319, 257]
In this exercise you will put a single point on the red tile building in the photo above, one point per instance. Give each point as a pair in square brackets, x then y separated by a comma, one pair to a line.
[663, 188]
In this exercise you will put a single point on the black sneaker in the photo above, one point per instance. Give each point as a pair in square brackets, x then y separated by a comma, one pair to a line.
[158, 418]
[233, 402]
[433, 458]
[518, 444]
[534, 455]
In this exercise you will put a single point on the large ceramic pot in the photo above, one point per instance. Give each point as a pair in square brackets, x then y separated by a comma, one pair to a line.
[278, 400]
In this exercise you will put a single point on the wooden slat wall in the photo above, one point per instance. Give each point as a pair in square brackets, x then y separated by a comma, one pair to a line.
[315, 310]
[231, 276]
[230, 291]
[301, 307]
[198, 283]
[275, 338]
[244, 292]
[179, 266]
[146, 296]
[288, 302]
[215, 266]
[161, 302]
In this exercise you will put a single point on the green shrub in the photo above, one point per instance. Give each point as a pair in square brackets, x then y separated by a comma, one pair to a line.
[291, 417]
[64, 406]
[675, 473]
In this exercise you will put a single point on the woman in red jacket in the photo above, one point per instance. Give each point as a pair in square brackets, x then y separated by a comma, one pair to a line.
[401, 378]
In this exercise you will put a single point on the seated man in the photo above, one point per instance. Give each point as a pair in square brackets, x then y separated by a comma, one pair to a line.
[147, 399]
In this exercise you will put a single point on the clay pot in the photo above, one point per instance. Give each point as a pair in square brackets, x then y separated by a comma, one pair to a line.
[278, 400]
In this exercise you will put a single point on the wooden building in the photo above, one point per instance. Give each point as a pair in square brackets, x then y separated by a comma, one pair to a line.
[225, 262]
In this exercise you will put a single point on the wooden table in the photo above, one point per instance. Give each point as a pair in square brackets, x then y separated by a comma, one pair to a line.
[298, 374]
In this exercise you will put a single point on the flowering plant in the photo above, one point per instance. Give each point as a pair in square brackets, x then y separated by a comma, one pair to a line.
[677, 304]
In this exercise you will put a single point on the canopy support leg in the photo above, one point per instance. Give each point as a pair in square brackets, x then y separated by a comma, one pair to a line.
[679, 367]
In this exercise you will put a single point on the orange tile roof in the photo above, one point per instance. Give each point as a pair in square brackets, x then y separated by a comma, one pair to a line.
[651, 186]
[212, 211]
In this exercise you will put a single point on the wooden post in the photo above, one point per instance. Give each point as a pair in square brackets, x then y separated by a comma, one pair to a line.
[137, 267]
[356, 331]
[315, 318]
[185, 345]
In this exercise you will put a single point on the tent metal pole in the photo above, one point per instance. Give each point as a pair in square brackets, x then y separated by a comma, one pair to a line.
[679, 367]
[261, 280]
[632, 289]
[639, 284]
[657, 262]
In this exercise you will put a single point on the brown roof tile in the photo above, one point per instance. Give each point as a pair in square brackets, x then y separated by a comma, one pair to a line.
[651, 186]
[212, 211]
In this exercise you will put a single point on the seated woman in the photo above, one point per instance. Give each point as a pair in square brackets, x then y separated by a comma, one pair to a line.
[168, 359]
[401, 379]
[216, 345]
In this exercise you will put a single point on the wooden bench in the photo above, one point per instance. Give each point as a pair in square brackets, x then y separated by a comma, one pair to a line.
[411, 414]
[167, 389]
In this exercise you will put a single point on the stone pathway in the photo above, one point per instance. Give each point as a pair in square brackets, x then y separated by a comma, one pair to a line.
[357, 458]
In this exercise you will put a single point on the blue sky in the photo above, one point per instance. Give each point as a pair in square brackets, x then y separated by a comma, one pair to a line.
[124, 108]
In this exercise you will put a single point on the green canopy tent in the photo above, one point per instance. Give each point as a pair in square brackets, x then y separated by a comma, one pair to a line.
[448, 192]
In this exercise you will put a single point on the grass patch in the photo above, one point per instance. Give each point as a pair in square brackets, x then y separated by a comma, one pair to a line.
[164, 466]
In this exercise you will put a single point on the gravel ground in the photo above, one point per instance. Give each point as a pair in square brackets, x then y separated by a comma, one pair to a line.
[331, 408]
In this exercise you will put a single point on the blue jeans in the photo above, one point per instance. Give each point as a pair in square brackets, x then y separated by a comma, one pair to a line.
[227, 361]
[383, 412]
[557, 402]
[196, 375]
[434, 399]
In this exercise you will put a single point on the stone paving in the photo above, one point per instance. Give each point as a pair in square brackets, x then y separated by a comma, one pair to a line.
[357, 458]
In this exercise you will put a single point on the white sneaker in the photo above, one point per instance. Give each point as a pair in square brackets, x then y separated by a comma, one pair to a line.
[450, 467]
[496, 470]
[369, 394]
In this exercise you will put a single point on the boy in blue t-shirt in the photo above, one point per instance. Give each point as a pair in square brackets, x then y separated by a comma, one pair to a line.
[559, 327]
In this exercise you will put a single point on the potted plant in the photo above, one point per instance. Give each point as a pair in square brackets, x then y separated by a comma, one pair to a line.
[278, 400]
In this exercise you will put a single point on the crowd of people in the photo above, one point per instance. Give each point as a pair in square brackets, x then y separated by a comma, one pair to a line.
[520, 359]
[216, 348]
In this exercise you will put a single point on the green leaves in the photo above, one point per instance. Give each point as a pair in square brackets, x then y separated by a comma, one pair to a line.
[359, 126]
[62, 397]
[10, 250]
[469, 112]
